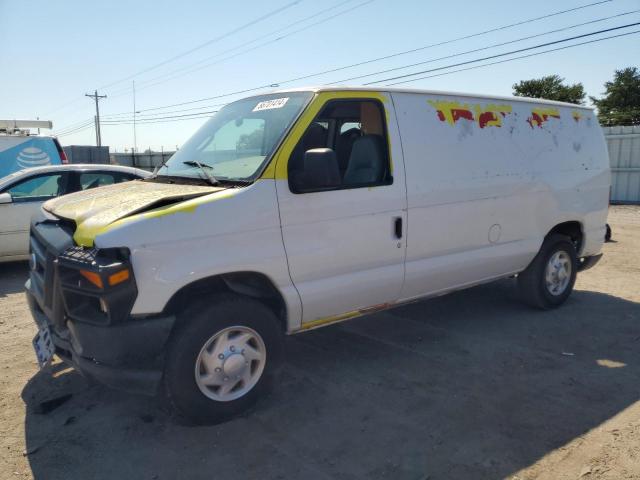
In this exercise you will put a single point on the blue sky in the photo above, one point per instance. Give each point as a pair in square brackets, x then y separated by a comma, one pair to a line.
[54, 52]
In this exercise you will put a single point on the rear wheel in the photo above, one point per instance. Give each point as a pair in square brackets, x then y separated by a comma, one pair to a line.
[221, 358]
[548, 280]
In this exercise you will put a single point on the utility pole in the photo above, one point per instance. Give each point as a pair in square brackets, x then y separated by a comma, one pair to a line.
[97, 97]
[135, 141]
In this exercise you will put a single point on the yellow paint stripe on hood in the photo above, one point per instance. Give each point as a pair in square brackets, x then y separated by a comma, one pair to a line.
[95, 211]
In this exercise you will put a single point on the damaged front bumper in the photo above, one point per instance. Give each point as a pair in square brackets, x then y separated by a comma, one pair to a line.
[90, 323]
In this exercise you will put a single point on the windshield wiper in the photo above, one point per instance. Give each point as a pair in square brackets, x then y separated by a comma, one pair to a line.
[194, 163]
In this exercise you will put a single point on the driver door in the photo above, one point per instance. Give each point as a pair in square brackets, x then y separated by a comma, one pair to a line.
[345, 244]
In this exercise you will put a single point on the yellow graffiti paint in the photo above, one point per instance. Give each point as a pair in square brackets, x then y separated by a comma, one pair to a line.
[491, 115]
[278, 166]
[577, 116]
[450, 112]
[540, 115]
[483, 115]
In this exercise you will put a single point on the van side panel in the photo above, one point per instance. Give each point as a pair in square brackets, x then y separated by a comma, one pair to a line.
[238, 233]
[487, 180]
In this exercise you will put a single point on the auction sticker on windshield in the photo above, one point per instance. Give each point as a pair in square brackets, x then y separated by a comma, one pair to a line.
[269, 104]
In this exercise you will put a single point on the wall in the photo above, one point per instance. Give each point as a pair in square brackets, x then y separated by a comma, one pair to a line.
[624, 155]
[146, 161]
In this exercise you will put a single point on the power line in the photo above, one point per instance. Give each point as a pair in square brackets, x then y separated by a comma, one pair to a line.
[112, 115]
[276, 84]
[201, 116]
[161, 118]
[501, 44]
[198, 47]
[164, 78]
[168, 119]
[86, 127]
[207, 43]
[73, 125]
[515, 58]
[171, 119]
[503, 54]
[254, 40]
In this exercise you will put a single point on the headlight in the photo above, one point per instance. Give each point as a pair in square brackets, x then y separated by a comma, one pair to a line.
[98, 285]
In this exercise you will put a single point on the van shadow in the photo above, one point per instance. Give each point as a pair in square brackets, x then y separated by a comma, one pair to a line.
[13, 275]
[470, 385]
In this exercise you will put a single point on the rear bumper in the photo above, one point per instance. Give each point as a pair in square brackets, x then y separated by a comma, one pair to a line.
[127, 356]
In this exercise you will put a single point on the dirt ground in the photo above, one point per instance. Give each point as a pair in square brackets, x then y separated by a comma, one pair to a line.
[471, 385]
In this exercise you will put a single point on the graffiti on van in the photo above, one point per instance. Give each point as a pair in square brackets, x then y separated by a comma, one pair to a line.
[489, 115]
[539, 116]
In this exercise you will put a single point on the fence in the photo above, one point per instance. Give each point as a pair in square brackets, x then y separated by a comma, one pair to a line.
[146, 161]
[624, 155]
[86, 154]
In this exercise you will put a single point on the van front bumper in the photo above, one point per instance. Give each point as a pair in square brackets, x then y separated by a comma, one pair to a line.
[127, 356]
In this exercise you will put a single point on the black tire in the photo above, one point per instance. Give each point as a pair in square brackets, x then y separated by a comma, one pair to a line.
[196, 326]
[607, 235]
[532, 286]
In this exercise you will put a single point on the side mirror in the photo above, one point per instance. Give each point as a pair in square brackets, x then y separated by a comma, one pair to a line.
[320, 172]
[5, 198]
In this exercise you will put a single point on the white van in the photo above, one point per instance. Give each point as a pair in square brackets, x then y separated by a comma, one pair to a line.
[302, 208]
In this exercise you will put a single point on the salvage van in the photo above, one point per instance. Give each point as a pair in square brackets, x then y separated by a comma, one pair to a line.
[302, 208]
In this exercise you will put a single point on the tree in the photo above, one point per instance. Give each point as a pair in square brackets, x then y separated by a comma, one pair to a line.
[621, 102]
[551, 87]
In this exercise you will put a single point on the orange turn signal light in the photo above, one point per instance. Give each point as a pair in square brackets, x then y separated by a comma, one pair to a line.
[93, 277]
[119, 277]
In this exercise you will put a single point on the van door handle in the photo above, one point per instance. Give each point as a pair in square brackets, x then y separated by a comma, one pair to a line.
[398, 227]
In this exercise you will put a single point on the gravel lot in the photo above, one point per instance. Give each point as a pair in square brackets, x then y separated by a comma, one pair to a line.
[471, 385]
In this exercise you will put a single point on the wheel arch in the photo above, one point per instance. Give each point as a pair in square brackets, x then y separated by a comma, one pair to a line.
[250, 284]
[572, 229]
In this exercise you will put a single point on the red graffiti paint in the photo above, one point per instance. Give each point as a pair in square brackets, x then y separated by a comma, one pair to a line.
[457, 114]
[486, 117]
[538, 118]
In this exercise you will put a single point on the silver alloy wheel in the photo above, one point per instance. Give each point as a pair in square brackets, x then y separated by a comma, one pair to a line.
[230, 363]
[558, 273]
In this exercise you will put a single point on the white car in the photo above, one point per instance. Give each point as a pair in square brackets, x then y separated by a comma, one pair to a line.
[23, 192]
[302, 208]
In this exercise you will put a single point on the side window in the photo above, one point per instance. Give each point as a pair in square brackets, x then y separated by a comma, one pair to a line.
[344, 147]
[95, 179]
[37, 188]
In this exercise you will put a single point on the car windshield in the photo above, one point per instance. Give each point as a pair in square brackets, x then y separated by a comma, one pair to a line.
[238, 140]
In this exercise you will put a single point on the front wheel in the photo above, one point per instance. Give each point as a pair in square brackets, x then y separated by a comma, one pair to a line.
[221, 358]
[548, 280]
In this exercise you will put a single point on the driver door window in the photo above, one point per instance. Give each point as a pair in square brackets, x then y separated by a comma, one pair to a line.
[355, 133]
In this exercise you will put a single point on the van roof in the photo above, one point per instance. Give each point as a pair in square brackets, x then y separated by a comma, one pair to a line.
[538, 101]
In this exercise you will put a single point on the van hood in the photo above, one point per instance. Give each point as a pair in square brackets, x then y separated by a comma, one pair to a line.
[93, 210]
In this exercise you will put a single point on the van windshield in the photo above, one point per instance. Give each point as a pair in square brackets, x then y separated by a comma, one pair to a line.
[238, 140]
